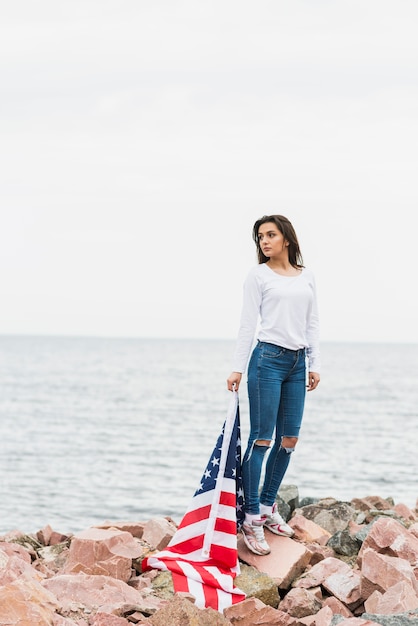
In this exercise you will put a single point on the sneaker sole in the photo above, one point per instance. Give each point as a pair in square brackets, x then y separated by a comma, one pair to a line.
[252, 549]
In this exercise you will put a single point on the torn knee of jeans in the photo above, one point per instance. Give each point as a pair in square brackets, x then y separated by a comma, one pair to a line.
[288, 450]
[262, 443]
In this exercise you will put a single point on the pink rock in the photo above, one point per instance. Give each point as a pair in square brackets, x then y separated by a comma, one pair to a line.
[13, 567]
[253, 612]
[106, 619]
[82, 591]
[135, 528]
[15, 549]
[158, 532]
[337, 607]
[345, 586]
[371, 502]
[318, 553]
[287, 560]
[398, 599]
[322, 618]
[413, 529]
[380, 572]
[321, 571]
[25, 602]
[103, 552]
[300, 603]
[307, 531]
[405, 512]
[388, 536]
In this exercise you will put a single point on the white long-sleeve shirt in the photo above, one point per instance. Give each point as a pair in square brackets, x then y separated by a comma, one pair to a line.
[285, 311]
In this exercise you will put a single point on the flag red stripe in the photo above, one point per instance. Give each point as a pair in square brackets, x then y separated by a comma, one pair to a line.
[226, 557]
[188, 545]
[211, 595]
[229, 499]
[226, 526]
[180, 582]
[195, 516]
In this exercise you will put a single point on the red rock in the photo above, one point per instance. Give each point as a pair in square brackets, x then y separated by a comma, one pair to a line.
[337, 607]
[103, 552]
[388, 536]
[398, 599]
[380, 572]
[300, 603]
[82, 591]
[287, 560]
[307, 531]
[24, 602]
[158, 532]
[322, 618]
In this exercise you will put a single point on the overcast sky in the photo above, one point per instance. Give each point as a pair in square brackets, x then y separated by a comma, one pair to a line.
[141, 139]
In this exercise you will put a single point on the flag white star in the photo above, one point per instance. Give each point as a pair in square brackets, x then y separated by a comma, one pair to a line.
[207, 473]
[215, 461]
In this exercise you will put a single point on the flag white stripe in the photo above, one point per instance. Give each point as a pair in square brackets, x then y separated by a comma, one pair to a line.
[194, 582]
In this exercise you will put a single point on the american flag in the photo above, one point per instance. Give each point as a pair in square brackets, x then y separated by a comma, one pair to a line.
[202, 556]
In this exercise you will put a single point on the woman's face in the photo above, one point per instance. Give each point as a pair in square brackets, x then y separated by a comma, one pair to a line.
[272, 242]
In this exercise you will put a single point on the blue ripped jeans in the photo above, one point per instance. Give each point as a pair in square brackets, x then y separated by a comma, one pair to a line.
[276, 392]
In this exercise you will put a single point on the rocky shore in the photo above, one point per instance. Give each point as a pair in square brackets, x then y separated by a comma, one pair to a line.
[350, 563]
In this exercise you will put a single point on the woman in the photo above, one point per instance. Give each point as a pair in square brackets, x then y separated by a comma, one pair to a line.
[280, 295]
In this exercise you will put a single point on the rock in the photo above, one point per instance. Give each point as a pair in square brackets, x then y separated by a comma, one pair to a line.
[256, 584]
[102, 552]
[162, 585]
[372, 502]
[107, 619]
[300, 603]
[84, 592]
[410, 618]
[337, 607]
[181, 612]
[287, 559]
[405, 512]
[158, 532]
[343, 543]
[330, 514]
[49, 537]
[388, 536]
[308, 531]
[290, 495]
[345, 585]
[253, 612]
[398, 599]
[24, 602]
[320, 572]
[380, 572]
[135, 528]
[322, 618]
[319, 553]
[13, 566]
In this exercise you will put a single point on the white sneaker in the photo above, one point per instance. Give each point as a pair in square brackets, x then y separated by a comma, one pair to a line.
[276, 524]
[253, 535]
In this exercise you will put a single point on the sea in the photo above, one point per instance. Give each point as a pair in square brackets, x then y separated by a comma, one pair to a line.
[108, 429]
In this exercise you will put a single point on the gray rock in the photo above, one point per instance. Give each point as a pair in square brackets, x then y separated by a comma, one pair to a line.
[343, 543]
[330, 514]
[256, 584]
[290, 495]
[398, 619]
